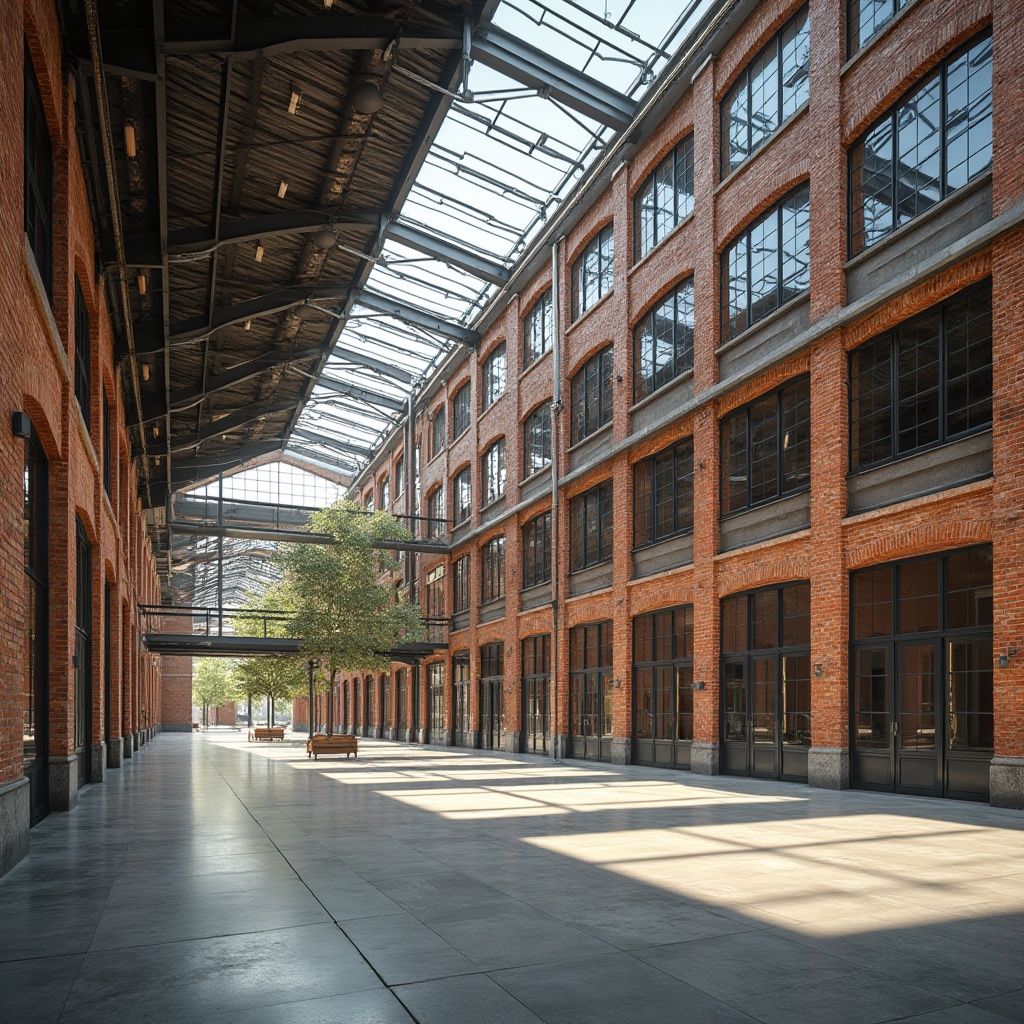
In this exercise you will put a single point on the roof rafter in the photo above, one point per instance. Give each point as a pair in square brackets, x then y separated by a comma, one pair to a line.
[417, 317]
[332, 442]
[228, 423]
[448, 252]
[362, 394]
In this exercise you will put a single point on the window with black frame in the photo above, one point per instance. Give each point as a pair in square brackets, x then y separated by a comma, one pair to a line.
[34, 704]
[663, 681]
[492, 677]
[537, 439]
[460, 584]
[438, 432]
[663, 342]
[462, 496]
[766, 448]
[867, 17]
[385, 494]
[664, 199]
[537, 551]
[108, 469]
[438, 525]
[536, 681]
[493, 466]
[590, 531]
[38, 179]
[663, 495]
[593, 271]
[83, 357]
[492, 570]
[400, 476]
[926, 382]
[768, 265]
[931, 143]
[435, 593]
[461, 411]
[493, 374]
[462, 719]
[436, 701]
[537, 330]
[591, 698]
[591, 396]
[769, 90]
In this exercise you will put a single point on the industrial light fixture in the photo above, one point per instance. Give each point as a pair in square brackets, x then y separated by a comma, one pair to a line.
[259, 252]
[21, 425]
[328, 3]
[141, 282]
[296, 99]
[282, 189]
[129, 141]
[156, 430]
[145, 371]
[324, 239]
[247, 325]
[367, 98]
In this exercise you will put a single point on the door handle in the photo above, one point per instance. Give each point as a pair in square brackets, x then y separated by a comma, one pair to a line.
[895, 729]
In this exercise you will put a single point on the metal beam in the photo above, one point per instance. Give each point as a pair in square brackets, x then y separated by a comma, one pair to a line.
[331, 442]
[417, 317]
[251, 309]
[183, 398]
[191, 470]
[448, 252]
[524, 63]
[361, 394]
[351, 356]
[228, 423]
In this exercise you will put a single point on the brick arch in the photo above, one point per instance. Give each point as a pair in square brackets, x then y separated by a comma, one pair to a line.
[90, 527]
[920, 540]
[43, 427]
[765, 572]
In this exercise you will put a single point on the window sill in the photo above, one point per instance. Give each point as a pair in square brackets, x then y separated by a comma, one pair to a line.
[589, 439]
[763, 148]
[659, 245]
[499, 500]
[546, 470]
[647, 399]
[591, 565]
[590, 311]
[777, 314]
[540, 359]
[879, 35]
[765, 504]
[536, 586]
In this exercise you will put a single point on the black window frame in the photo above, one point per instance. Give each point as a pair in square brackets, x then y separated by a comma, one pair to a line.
[647, 201]
[438, 432]
[83, 356]
[492, 569]
[400, 475]
[462, 410]
[647, 490]
[106, 441]
[857, 241]
[537, 551]
[600, 248]
[462, 512]
[38, 177]
[493, 472]
[384, 493]
[460, 584]
[854, 40]
[494, 375]
[591, 530]
[537, 439]
[746, 412]
[648, 335]
[671, 718]
[798, 203]
[438, 520]
[538, 330]
[742, 84]
[592, 395]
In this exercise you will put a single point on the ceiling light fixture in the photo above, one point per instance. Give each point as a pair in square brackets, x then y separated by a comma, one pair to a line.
[247, 325]
[367, 98]
[282, 189]
[296, 99]
[129, 141]
[145, 371]
[325, 239]
[259, 252]
[141, 282]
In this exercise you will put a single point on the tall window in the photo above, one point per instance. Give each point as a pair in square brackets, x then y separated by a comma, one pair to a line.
[83, 357]
[537, 439]
[492, 564]
[462, 496]
[591, 696]
[460, 584]
[400, 475]
[663, 342]
[591, 396]
[663, 674]
[591, 527]
[535, 685]
[537, 329]
[766, 448]
[36, 579]
[436, 717]
[38, 178]
[493, 464]
[664, 199]
[368, 500]
[461, 411]
[537, 550]
[663, 494]
[926, 382]
[768, 264]
[593, 271]
[931, 143]
[83, 638]
[108, 468]
[385, 494]
[769, 91]
[438, 524]
[866, 17]
[435, 593]
[494, 376]
[438, 432]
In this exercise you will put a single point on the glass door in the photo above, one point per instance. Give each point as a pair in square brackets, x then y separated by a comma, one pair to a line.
[916, 738]
[490, 713]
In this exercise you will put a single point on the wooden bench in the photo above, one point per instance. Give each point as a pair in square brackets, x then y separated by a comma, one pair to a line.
[195, 727]
[266, 732]
[321, 744]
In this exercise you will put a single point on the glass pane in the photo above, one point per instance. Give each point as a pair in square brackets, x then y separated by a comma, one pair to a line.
[765, 619]
[796, 435]
[872, 603]
[684, 705]
[734, 462]
[734, 702]
[734, 624]
[970, 694]
[969, 589]
[968, 338]
[871, 698]
[918, 135]
[644, 709]
[919, 596]
[969, 115]
[796, 700]
[764, 267]
[871, 402]
[796, 615]
[918, 383]
[764, 449]
[763, 697]
[917, 697]
[795, 48]
[664, 704]
[871, 185]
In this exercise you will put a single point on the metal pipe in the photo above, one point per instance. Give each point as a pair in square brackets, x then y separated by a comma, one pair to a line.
[556, 409]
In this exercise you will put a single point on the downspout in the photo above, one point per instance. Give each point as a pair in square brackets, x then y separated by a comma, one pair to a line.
[410, 497]
[556, 409]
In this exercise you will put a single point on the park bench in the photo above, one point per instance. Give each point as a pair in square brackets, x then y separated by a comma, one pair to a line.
[321, 744]
[266, 732]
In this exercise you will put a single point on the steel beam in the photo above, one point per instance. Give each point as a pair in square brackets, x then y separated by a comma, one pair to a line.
[331, 442]
[524, 63]
[418, 318]
[378, 365]
[447, 252]
[360, 394]
[188, 471]
[228, 423]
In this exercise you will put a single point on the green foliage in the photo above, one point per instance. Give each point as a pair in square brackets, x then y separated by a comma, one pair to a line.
[278, 676]
[211, 682]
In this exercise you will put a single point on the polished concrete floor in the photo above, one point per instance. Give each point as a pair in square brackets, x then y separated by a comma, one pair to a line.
[214, 881]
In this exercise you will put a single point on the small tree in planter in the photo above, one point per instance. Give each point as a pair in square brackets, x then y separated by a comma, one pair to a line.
[211, 684]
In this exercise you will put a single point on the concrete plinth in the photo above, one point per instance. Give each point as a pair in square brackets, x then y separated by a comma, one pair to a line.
[511, 745]
[63, 777]
[128, 746]
[98, 762]
[115, 751]
[622, 750]
[1006, 782]
[828, 767]
[14, 822]
[704, 758]
[419, 735]
[176, 727]
[441, 738]
[135, 741]
[561, 744]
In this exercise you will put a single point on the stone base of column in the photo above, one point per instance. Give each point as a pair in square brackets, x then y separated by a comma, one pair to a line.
[474, 739]
[622, 750]
[63, 772]
[135, 741]
[1006, 782]
[511, 742]
[828, 767]
[98, 762]
[561, 744]
[129, 746]
[14, 823]
[442, 738]
[115, 751]
[704, 758]
[419, 734]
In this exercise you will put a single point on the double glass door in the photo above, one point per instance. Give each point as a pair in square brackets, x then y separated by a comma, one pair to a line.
[490, 712]
[590, 715]
[461, 702]
[663, 715]
[535, 686]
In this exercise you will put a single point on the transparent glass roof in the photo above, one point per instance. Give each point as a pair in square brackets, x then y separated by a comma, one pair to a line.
[502, 163]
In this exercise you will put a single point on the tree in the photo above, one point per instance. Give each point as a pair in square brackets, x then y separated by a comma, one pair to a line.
[211, 684]
[345, 610]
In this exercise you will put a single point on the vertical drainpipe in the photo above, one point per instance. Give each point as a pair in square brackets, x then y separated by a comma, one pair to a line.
[410, 497]
[556, 409]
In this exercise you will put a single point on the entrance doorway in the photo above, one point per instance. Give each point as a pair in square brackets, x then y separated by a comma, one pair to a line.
[536, 682]
[492, 675]
[590, 691]
[83, 653]
[462, 707]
